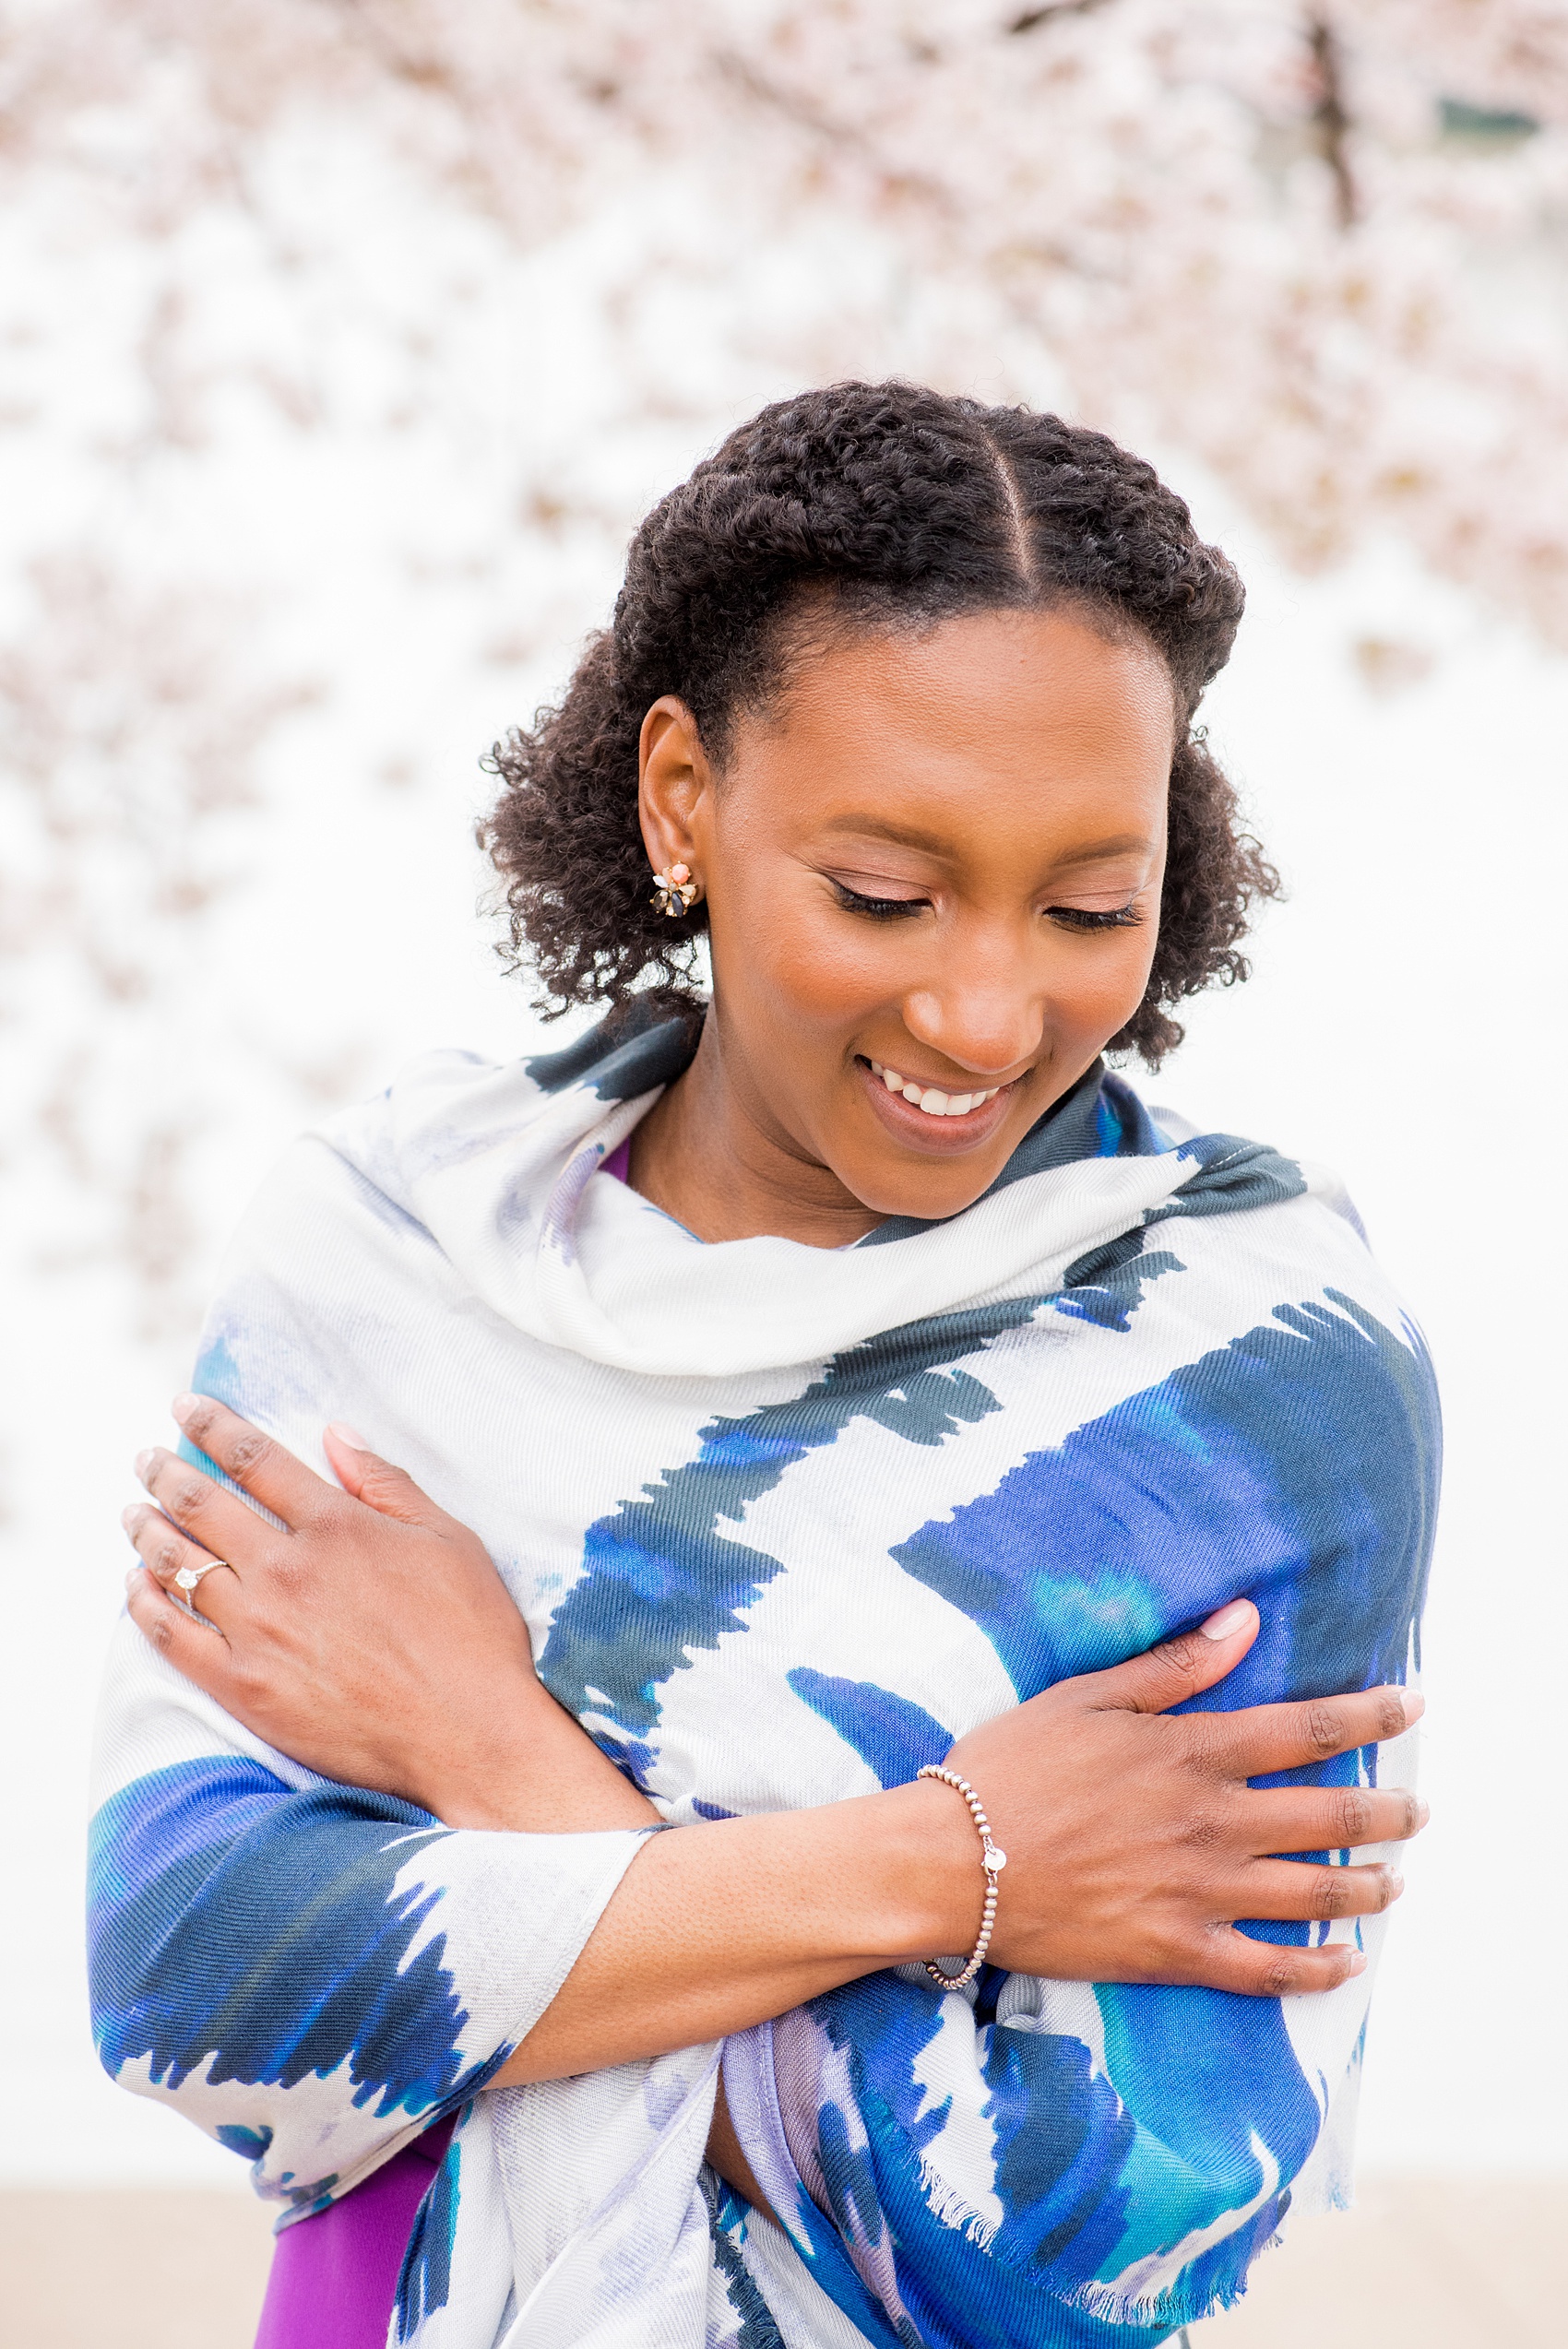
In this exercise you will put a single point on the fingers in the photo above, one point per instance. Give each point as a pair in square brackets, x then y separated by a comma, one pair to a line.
[1288, 1737]
[271, 1473]
[1331, 1818]
[1178, 1669]
[165, 1552]
[1289, 1891]
[213, 1517]
[1263, 1970]
[198, 1649]
[258, 1463]
[390, 1492]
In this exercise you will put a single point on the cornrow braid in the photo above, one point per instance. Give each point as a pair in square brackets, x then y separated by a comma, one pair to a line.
[902, 507]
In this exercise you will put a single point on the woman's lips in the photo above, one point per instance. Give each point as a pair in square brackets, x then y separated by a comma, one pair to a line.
[945, 1126]
[930, 1099]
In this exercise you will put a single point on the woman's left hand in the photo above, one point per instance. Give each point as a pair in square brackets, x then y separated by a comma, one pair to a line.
[314, 1632]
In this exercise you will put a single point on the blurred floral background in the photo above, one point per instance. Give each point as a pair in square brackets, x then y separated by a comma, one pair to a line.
[342, 342]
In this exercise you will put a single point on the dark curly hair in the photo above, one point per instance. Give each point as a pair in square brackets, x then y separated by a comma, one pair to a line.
[895, 505]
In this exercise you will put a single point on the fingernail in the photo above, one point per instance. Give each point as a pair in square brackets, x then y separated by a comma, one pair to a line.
[131, 1578]
[144, 1464]
[1415, 1705]
[345, 1434]
[1228, 1622]
[128, 1517]
[1396, 1883]
[181, 1409]
[1423, 1812]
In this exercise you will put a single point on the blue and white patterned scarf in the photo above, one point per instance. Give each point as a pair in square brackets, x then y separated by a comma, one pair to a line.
[784, 1523]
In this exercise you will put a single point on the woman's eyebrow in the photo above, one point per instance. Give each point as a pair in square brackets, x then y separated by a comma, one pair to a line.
[909, 836]
[902, 836]
[1124, 843]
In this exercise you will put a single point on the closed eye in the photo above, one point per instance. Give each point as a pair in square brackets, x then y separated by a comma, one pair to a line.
[1079, 918]
[879, 909]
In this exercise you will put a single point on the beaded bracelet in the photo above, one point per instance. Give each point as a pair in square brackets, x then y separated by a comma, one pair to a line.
[991, 1859]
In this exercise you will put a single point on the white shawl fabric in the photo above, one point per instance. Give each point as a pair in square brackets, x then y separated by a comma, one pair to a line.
[783, 1523]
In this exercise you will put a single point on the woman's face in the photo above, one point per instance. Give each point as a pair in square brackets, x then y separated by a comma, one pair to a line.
[933, 869]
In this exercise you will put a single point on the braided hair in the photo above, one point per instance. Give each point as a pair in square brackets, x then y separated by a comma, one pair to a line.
[897, 506]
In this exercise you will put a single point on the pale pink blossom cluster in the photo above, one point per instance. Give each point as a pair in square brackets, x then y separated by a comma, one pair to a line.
[1316, 241]
[1317, 245]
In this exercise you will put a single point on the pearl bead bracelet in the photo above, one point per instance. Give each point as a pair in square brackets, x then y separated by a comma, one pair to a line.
[991, 1859]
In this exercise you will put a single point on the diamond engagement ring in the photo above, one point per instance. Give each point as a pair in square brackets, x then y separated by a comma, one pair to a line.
[189, 1577]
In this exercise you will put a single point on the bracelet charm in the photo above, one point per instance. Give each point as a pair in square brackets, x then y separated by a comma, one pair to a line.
[993, 1860]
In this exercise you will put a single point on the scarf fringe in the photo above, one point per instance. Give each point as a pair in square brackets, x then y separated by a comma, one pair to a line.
[949, 2207]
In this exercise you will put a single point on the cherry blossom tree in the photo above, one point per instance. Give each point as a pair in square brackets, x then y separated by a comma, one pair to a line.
[1314, 242]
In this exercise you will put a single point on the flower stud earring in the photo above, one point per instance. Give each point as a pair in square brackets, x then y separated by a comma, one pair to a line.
[675, 892]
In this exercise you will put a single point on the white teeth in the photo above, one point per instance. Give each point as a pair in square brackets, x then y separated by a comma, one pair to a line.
[927, 1097]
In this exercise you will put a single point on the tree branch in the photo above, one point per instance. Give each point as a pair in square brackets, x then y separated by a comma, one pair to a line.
[1330, 120]
[1032, 19]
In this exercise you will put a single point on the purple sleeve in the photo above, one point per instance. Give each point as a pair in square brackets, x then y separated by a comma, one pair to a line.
[335, 2274]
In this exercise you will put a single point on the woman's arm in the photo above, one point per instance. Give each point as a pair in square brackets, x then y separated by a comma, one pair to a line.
[369, 1637]
[308, 1972]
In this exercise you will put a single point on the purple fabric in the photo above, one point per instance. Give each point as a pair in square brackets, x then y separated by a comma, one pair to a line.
[335, 2275]
[619, 1162]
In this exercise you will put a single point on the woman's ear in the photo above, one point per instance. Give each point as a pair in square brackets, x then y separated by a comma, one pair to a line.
[674, 785]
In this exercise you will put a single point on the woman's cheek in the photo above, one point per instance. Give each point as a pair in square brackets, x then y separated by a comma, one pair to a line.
[1103, 994]
[1119, 993]
[812, 974]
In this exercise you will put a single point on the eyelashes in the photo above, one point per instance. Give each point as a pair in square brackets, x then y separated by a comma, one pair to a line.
[879, 909]
[1076, 917]
[902, 909]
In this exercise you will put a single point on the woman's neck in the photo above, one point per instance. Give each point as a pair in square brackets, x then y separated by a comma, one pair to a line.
[709, 1154]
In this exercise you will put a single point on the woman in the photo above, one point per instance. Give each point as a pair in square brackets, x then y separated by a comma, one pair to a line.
[843, 1380]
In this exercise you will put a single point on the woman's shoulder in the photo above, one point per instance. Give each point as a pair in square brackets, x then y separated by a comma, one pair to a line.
[452, 1125]
[448, 1108]
[1243, 1220]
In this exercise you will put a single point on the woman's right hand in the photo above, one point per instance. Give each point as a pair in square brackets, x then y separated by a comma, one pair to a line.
[1133, 1841]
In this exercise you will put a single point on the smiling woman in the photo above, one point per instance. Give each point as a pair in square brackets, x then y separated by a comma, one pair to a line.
[933, 875]
[984, 1524]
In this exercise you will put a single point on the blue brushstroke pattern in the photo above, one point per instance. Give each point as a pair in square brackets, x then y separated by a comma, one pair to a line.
[1064, 2144]
[661, 1565]
[754, 2327]
[621, 1057]
[424, 2281]
[1300, 1464]
[1298, 1461]
[232, 1919]
[660, 1579]
[1297, 1465]
[893, 1736]
[1109, 1286]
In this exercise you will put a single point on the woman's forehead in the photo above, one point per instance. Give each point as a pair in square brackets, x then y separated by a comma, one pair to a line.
[911, 739]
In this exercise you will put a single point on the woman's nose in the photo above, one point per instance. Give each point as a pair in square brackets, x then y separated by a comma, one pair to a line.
[987, 1032]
